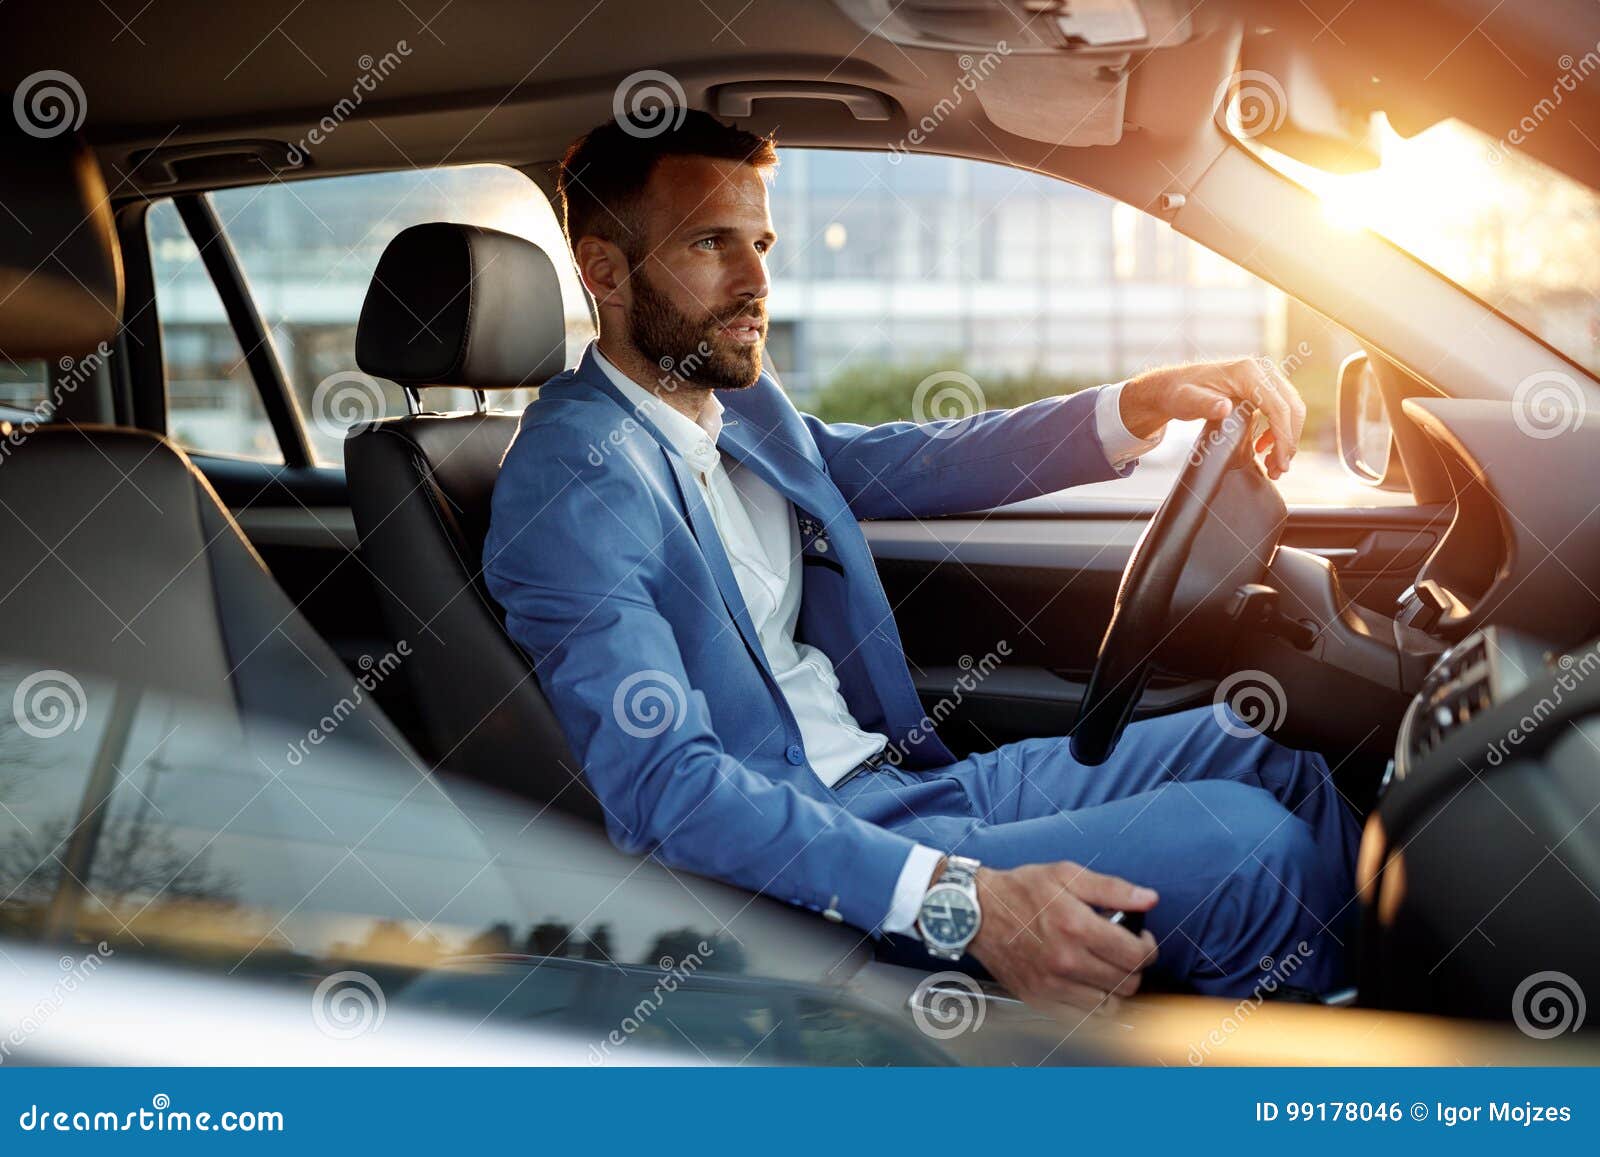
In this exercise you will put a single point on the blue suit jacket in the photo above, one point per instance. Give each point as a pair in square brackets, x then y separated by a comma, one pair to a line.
[614, 580]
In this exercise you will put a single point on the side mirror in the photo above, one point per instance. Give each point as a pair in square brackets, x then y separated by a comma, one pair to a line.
[1366, 437]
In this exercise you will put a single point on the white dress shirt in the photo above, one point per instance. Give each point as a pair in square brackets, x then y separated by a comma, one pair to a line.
[761, 537]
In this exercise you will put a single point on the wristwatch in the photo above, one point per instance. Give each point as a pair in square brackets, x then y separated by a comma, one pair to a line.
[950, 916]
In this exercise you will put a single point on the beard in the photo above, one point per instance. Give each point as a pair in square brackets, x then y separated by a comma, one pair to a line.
[694, 349]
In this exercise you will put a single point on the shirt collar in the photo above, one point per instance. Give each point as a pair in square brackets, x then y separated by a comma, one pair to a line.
[694, 440]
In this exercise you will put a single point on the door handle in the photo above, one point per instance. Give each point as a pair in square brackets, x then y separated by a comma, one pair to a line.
[1379, 550]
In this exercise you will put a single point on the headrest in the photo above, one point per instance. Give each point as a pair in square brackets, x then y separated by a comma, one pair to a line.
[60, 273]
[457, 305]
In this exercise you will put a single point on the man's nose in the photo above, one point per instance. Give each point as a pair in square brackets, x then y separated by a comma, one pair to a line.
[750, 276]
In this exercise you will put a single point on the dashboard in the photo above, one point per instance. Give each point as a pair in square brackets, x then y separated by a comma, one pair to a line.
[1523, 550]
[1480, 865]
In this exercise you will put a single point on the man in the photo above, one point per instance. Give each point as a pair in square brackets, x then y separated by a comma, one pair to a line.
[677, 547]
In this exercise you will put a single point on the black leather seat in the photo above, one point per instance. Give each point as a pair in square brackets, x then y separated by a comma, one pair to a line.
[121, 568]
[457, 305]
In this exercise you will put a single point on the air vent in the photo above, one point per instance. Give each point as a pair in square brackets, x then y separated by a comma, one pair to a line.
[1456, 691]
[1457, 706]
[1489, 668]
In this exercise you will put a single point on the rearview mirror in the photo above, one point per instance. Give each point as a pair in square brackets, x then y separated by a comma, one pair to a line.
[1366, 437]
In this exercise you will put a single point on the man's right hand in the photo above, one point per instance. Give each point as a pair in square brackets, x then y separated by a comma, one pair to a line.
[1042, 938]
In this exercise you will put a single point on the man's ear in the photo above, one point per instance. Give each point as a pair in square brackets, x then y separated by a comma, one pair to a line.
[604, 271]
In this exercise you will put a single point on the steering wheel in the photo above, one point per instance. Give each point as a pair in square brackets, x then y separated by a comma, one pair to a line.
[1216, 531]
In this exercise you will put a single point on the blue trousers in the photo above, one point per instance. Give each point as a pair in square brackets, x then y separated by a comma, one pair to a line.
[1249, 844]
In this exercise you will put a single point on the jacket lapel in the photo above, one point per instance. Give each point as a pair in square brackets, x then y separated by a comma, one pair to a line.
[705, 533]
[693, 506]
[769, 451]
[790, 475]
[753, 432]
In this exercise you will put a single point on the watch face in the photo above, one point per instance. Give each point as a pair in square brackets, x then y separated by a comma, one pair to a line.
[949, 917]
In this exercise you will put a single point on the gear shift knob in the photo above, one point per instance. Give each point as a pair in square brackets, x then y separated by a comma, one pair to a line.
[1132, 921]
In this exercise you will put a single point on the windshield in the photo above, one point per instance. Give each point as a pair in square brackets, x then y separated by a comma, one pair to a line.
[1520, 235]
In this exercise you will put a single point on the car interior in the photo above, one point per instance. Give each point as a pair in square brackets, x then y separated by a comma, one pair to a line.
[1435, 649]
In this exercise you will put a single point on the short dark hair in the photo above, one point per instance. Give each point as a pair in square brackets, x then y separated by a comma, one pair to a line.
[605, 171]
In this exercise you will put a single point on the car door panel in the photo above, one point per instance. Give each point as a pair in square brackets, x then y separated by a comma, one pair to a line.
[1376, 553]
[1002, 617]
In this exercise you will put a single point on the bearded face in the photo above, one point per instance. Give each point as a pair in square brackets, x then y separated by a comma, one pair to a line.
[716, 349]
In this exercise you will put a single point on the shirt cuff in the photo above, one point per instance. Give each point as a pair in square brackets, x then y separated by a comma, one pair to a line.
[909, 890]
[1120, 446]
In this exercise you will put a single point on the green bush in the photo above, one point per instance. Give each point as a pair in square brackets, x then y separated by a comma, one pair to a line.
[874, 392]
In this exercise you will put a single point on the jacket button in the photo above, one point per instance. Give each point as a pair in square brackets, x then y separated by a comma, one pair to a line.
[796, 754]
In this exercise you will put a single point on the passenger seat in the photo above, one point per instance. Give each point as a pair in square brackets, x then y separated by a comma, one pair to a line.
[121, 570]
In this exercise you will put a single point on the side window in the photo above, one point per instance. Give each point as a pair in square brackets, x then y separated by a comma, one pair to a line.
[25, 387]
[908, 286]
[309, 248]
[213, 405]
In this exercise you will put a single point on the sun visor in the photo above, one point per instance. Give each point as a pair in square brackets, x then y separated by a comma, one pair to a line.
[1288, 101]
[1063, 101]
[1048, 27]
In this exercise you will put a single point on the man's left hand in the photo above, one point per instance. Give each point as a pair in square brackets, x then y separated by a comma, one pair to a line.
[1208, 391]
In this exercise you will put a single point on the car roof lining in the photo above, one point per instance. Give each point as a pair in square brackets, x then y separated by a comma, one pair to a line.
[512, 82]
[1166, 111]
[518, 89]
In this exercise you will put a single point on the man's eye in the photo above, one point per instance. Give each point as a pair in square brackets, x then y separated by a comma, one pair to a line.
[706, 243]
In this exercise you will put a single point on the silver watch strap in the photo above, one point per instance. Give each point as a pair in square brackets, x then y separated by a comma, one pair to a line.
[959, 870]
